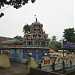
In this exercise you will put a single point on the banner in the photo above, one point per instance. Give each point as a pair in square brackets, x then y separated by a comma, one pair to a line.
[68, 45]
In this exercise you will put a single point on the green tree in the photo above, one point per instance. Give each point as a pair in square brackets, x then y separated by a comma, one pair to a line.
[53, 39]
[58, 45]
[15, 3]
[73, 38]
[19, 38]
[26, 29]
[55, 43]
[48, 41]
[69, 34]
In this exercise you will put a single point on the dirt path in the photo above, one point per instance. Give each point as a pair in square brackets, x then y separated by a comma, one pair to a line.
[15, 69]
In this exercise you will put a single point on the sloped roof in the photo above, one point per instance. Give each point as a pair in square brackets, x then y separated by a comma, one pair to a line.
[12, 42]
[6, 41]
[4, 38]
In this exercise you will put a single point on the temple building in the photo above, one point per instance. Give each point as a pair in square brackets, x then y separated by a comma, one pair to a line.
[36, 41]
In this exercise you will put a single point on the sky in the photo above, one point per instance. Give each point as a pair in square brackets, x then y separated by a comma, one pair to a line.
[55, 15]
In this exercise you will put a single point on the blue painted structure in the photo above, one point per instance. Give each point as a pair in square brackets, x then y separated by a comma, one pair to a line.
[15, 55]
[25, 54]
[33, 53]
[12, 55]
[47, 51]
[21, 55]
[68, 45]
[39, 54]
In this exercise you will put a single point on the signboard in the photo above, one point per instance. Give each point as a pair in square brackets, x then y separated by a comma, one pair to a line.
[68, 45]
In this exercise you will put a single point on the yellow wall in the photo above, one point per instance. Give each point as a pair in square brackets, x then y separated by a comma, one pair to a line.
[4, 61]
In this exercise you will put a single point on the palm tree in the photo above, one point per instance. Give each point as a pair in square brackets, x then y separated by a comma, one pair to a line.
[26, 29]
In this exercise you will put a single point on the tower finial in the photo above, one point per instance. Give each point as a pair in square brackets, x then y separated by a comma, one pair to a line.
[36, 18]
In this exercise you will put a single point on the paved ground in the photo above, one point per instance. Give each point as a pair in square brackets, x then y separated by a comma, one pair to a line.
[21, 69]
[15, 69]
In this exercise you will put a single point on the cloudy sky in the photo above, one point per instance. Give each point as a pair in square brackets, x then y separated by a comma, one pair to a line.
[55, 15]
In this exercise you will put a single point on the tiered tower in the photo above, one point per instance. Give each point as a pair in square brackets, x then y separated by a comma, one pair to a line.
[36, 37]
[36, 41]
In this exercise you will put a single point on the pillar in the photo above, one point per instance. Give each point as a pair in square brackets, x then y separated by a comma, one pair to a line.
[36, 54]
[43, 52]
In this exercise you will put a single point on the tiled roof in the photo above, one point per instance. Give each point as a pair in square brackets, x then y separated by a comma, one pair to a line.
[12, 42]
[4, 39]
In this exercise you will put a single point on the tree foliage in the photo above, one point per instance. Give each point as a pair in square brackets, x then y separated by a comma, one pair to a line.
[15, 3]
[55, 43]
[26, 29]
[53, 39]
[69, 34]
[73, 38]
[48, 40]
[19, 38]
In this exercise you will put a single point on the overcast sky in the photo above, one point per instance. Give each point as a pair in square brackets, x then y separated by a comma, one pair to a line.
[55, 15]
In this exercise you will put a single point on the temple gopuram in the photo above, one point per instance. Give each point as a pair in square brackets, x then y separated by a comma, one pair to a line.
[35, 41]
